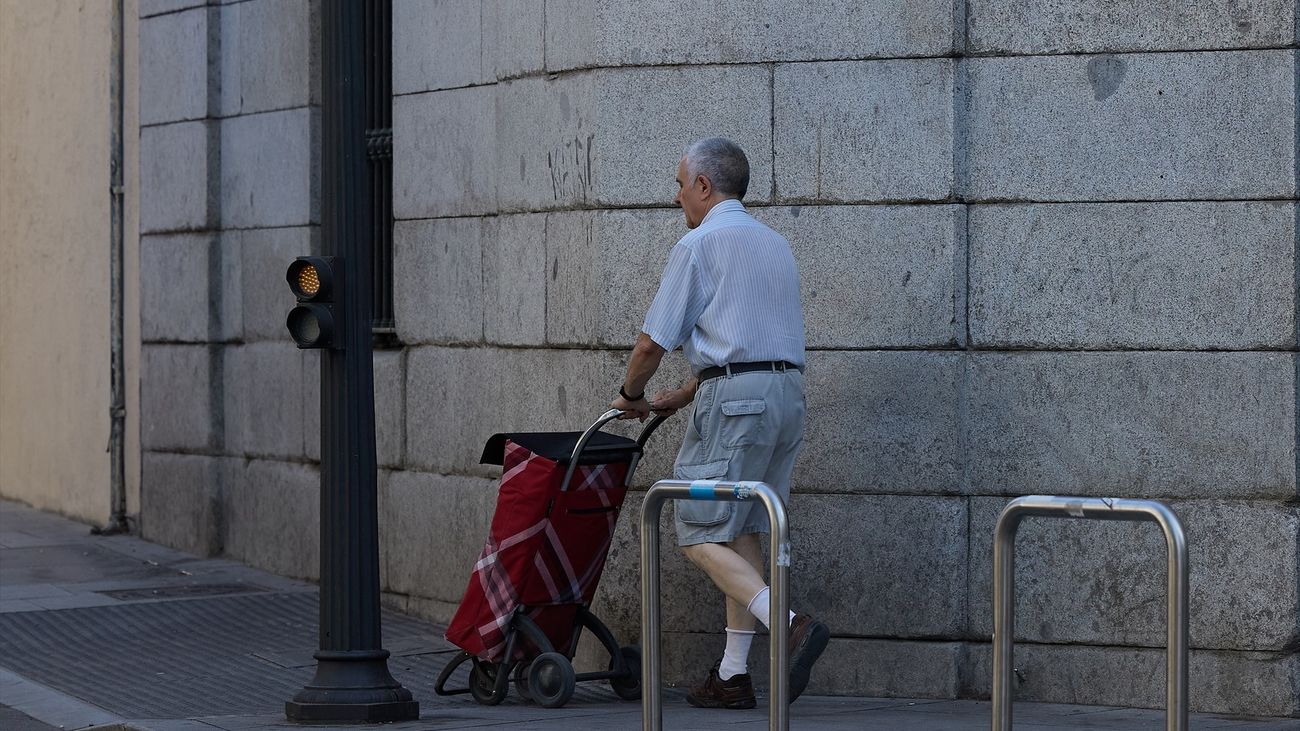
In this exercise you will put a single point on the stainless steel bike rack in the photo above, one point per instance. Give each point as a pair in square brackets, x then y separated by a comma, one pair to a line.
[779, 676]
[1004, 566]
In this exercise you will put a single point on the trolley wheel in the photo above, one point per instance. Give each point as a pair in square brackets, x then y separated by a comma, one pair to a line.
[628, 687]
[521, 681]
[551, 679]
[483, 683]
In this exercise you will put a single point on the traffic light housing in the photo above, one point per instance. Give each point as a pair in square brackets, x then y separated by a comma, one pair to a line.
[317, 320]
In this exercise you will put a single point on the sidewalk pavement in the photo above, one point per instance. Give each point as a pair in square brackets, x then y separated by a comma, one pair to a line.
[116, 632]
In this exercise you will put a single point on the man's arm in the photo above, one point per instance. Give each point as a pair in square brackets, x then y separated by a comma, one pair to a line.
[646, 356]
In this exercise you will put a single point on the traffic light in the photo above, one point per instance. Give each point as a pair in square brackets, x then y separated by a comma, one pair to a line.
[317, 320]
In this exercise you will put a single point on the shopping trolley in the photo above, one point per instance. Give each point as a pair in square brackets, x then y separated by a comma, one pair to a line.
[530, 594]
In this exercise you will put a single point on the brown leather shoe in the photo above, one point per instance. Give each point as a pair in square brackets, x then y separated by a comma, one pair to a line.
[736, 692]
[808, 639]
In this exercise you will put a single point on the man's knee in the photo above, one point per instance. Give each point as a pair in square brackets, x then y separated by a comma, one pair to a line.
[697, 553]
[691, 552]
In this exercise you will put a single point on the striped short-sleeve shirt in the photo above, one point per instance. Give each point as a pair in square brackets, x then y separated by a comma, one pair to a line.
[729, 294]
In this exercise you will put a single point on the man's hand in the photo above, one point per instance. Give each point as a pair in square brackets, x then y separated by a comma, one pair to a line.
[669, 400]
[638, 409]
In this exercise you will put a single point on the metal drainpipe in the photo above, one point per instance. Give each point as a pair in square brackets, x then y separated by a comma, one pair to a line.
[117, 522]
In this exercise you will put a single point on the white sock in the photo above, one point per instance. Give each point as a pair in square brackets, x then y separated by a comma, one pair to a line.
[735, 659]
[761, 607]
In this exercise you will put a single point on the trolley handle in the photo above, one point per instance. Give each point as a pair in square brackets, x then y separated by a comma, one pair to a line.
[649, 429]
[604, 419]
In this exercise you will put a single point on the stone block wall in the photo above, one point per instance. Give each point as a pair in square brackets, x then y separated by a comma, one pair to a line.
[229, 195]
[1045, 248]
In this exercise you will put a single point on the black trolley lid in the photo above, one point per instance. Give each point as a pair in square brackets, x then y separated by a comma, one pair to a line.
[602, 448]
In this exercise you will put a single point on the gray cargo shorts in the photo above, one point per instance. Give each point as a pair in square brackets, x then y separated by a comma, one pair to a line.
[746, 426]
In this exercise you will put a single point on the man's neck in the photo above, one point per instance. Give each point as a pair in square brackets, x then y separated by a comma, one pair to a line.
[714, 202]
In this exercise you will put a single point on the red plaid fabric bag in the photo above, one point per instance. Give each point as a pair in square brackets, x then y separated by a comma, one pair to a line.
[546, 551]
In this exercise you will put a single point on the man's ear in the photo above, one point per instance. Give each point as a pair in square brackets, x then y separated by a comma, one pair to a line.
[706, 187]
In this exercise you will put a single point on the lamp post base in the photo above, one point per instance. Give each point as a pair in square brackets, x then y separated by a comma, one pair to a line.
[352, 686]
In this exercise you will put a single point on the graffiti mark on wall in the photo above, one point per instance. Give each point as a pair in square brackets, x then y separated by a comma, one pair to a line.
[570, 167]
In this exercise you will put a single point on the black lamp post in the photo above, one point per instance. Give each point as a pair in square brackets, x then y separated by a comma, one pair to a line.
[352, 681]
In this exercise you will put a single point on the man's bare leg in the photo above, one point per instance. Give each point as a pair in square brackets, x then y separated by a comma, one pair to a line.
[730, 570]
[737, 569]
[748, 547]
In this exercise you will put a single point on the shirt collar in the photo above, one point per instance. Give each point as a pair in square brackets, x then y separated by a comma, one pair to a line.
[730, 204]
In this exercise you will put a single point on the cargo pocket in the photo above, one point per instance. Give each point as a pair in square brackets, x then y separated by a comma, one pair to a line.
[742, 421]
[703, 512]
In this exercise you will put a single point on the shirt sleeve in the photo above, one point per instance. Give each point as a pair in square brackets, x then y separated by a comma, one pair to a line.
[679, 302]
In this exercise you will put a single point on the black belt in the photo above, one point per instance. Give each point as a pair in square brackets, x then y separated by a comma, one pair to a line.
[779, 366]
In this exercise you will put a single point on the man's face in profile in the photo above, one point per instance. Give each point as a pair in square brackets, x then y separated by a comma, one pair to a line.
[690, 196]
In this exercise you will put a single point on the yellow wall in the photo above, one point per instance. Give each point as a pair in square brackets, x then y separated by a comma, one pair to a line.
[55, 242]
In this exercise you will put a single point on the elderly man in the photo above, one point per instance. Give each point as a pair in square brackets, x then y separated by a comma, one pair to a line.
[730, 298]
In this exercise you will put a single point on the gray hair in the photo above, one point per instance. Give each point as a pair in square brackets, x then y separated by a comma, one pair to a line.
[722, 162]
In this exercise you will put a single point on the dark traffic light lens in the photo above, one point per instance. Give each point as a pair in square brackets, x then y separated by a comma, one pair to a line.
[311, 326]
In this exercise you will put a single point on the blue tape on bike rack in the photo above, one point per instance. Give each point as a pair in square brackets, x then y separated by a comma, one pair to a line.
[703, 489]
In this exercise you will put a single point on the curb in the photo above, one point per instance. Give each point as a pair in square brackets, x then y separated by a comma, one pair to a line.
[54, 707]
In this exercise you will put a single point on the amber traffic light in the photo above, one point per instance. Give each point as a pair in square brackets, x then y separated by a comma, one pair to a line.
[314, 322]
